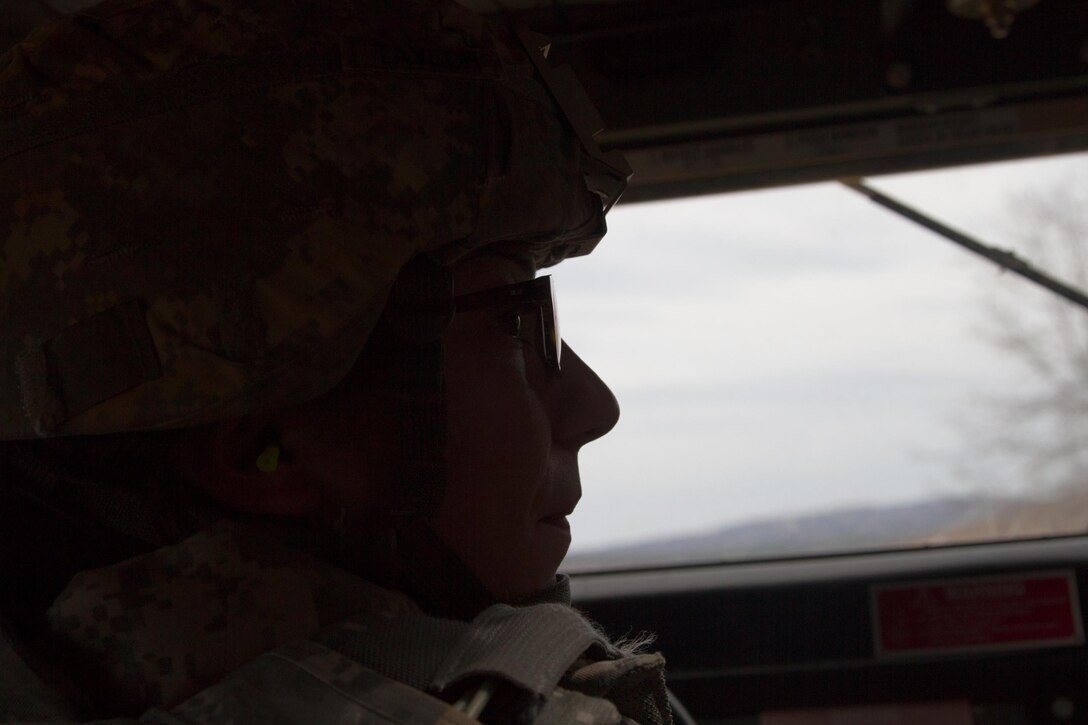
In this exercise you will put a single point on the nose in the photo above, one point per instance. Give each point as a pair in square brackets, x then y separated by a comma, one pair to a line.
[585, 407]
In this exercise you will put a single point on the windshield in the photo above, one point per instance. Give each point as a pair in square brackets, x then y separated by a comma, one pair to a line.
[801, 371]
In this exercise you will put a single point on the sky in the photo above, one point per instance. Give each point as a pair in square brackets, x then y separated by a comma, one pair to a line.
[789, 350]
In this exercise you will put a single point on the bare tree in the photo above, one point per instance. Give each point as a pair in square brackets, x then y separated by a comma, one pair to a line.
[1032, 438]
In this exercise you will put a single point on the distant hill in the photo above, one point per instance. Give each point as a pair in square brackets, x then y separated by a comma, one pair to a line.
[941, 521]
[1062, 512]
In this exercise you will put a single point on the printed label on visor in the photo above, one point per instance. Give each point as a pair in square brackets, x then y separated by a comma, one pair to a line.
[1007, 612]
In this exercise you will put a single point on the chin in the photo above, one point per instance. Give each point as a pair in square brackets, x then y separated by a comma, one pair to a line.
[525, 582]
[519, 567]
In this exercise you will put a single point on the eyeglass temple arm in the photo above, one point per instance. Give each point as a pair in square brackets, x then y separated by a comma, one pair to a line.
[513, 294]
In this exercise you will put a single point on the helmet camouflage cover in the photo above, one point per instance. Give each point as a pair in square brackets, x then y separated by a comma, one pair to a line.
[203, 205]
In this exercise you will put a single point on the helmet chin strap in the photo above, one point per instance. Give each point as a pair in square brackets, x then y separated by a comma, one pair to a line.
[433, 575]
[420, 308]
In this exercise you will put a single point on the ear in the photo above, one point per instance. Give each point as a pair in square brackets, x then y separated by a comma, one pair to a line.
[221, 460]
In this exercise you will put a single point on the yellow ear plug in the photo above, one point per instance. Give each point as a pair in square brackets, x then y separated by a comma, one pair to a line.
[269, 460]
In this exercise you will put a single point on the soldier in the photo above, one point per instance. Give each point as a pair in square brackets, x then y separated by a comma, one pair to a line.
[292, 433]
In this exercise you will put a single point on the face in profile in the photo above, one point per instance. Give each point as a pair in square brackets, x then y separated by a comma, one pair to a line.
[515, 426]
[514, 429]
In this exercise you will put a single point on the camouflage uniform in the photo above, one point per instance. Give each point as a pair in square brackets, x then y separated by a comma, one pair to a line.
[203, 206]
[287, 638]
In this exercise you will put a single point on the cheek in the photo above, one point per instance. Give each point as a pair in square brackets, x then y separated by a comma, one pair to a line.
[498, 440]
[498, 449]
[498, 430]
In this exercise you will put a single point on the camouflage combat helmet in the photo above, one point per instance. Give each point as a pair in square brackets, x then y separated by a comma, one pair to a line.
[203, 205]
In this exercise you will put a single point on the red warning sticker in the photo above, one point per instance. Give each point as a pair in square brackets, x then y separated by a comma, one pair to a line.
[1009, 612]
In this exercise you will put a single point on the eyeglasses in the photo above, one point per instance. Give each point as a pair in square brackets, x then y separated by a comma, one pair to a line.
[535, 294]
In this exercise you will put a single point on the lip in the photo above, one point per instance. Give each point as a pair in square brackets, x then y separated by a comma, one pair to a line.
[559, 521]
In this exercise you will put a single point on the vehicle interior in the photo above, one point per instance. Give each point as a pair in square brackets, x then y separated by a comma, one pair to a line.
[720, 96]
[710, 97]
